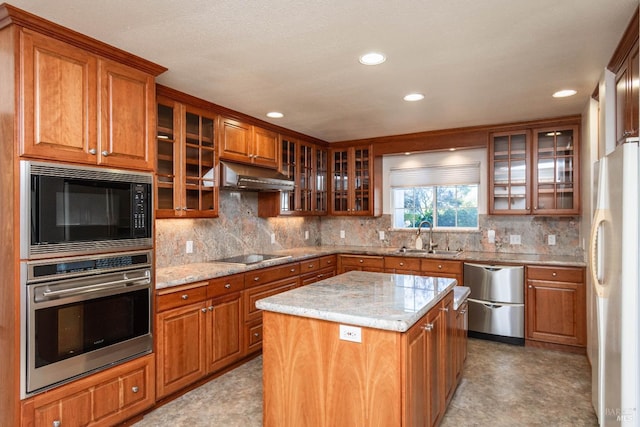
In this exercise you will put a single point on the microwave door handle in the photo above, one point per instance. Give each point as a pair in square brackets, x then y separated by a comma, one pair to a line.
[98, 286]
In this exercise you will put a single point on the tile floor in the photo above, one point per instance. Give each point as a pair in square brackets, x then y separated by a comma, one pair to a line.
[502, 385]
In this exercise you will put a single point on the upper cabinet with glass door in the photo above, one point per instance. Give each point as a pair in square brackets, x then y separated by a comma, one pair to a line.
[353, 189]
[534, 172]
[509, 179]
[186, 161]
[555, 159]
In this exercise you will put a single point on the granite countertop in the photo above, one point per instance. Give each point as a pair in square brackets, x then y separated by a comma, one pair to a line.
[179, 275]
[393, 302]
[460, 293]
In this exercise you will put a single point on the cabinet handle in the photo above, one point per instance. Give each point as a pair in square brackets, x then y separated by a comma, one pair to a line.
[228, 286]
[361, 260]
[535, 208]
[210, 308]
[440, 266]
[204, 309]
[255, 279]
[310, 266]
[463, 311]
[105, 153]
[255, 334]
[320, 276]
[293, 270]
[554, 274]
[135, 389]
[428, 327]
[402, 264]
[185, 297]
[530, 287]
[184, 208]
[445, 309]
[56, 423]
[528, 207]
[92, 151]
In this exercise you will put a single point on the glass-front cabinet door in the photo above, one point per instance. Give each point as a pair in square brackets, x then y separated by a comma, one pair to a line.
[289, 168]
[199, 165]
[305, 187]
[351, 180]
[321, 170]
[555, 171]
[509, 162]
[186, 179]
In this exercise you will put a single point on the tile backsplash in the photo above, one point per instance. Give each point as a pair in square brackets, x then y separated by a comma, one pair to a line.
[238, 230]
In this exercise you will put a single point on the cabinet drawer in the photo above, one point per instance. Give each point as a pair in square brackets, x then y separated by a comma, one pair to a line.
[556, 274]
[328, 261]
[270, 274]
[254, 294]
[309, 265]
[182, 295]
[225, 285]
[402, 263]
[362, 261]
[441, 266]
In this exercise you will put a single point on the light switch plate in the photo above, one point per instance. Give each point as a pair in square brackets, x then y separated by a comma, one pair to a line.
[342, 235]
[381, 234]
[189, 247]
[273, 238]
[350, 333]
[306, 234]
[514, 239]
[491, 236]
[551, 239]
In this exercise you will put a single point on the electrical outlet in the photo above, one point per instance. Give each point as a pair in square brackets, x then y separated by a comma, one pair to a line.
[306, 234]
[551, 239]
[189, 247]
[342, 235]
[273, 238]
[514, 239]
[350, 333]
[491, 236]
[381, 234]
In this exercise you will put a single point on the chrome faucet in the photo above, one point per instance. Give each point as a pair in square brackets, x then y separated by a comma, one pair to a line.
[432, 245]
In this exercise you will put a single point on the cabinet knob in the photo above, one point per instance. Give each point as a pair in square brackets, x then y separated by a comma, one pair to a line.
[554, 274]
[255, 334]
[135, 389]
[92, 151]
[535, 208]
[445, 309]
[228, 286]
[185, 296]
[402, 264]
[204, 309]
[184, 208]
[440, 266]
[105, 153]
[293, 270]
[361, 260]
[428, 327]
[530, 287]
[310, 266]
[56, 423]
[463, 311]
[255, 279]
[210, 308]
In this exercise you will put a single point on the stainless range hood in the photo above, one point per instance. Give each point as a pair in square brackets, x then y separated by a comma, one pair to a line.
[235, 176]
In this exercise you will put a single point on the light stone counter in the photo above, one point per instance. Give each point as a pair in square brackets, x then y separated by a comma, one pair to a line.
[460, 293]
[174, 276]
[392, 302]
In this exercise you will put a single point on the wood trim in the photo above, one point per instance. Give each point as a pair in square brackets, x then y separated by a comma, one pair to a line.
[468, 137]
[629, 38]
[9, 187]
[558, 347]
[232, 114]
[13, 15]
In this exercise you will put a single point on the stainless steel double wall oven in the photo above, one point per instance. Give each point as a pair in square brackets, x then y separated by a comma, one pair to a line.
[86, 270]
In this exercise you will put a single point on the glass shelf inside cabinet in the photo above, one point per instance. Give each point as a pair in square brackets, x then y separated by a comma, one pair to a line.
[166, 151]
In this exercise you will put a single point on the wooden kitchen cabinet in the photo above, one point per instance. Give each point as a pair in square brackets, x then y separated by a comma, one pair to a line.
[402, 265]
[556, 305]
[186, 179]
[198, 331]
[448, 349]
[535, 171]
[317, 269]
[245, 143]
[462, 327]
[80, 107]
[104, 399]
[360, 263]
[260, 284]
[306, 164]
[442, 268]
[355, 189]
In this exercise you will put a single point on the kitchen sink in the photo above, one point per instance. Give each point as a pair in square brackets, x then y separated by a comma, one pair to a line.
[434, 252]
[251, 258]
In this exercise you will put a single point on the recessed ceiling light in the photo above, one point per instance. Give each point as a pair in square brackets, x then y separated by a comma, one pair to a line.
[564, 93]
[275, 115]
[372, 58]
[414, 97]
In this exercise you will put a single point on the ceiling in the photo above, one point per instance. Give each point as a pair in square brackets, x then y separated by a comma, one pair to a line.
[476, 62]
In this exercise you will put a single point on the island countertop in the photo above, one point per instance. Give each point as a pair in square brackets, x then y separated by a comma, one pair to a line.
[391, 302]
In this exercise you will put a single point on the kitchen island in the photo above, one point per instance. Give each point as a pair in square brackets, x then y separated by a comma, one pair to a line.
[360, 348]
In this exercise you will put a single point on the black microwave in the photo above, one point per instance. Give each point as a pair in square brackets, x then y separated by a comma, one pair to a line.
[73, 210]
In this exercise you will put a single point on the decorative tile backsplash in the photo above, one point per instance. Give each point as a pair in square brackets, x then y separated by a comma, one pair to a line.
[238, 230]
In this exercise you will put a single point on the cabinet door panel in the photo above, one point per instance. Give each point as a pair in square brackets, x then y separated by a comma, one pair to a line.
[265, 148]
[59, 106]
[74, 410]
[225, 323]
[106, 399]
[235, 140]
[127, 110]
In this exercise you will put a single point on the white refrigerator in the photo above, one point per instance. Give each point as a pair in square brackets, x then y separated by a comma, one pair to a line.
[613, 263]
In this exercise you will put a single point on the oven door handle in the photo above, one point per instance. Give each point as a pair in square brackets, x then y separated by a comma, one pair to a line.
[99, 286]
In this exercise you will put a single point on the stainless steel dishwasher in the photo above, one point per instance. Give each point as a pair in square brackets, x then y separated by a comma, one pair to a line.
[496, 302]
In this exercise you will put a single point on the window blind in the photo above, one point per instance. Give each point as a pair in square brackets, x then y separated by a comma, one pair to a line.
[425, 176]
